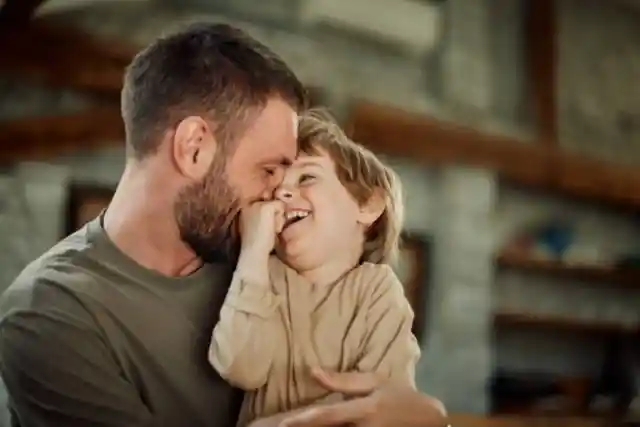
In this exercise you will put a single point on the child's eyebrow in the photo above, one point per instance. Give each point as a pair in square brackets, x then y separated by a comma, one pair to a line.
[308, 163]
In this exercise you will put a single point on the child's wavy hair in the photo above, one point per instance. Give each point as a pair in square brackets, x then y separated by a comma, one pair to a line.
[362, 174]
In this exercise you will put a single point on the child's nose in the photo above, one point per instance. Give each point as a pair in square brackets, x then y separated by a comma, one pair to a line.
[284, 194]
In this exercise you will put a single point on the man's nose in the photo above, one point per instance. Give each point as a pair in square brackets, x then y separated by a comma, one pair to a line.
[284, 194]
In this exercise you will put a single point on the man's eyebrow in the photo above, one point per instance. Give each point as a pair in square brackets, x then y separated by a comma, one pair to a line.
[280, 161]
[286, 162]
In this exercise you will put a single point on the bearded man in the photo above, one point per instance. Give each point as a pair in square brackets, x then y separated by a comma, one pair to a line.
[111, 326]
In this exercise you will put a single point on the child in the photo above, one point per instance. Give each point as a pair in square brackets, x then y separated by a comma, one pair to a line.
[329, 299]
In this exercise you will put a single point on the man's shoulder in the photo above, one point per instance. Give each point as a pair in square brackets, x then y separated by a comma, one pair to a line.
[65, 270]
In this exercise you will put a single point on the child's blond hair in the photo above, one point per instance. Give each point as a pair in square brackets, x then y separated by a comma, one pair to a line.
[362, 174]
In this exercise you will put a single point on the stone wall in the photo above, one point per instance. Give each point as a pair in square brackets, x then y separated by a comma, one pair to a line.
[474, 75]
[599, 62]
[458, 355]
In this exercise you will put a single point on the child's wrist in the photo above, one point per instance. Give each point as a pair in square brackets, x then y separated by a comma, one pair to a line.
[253, 267]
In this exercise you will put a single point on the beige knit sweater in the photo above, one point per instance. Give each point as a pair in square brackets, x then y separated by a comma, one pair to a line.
[268, 337]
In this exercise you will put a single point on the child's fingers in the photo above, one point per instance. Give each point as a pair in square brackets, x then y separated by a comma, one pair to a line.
[278, 216]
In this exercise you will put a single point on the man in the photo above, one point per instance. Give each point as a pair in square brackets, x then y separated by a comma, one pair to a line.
[111, 326]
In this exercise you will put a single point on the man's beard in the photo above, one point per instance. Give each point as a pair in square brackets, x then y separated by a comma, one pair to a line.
[206, 213]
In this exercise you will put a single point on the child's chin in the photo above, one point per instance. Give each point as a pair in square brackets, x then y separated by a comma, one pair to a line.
[286, 251]
[297, 254]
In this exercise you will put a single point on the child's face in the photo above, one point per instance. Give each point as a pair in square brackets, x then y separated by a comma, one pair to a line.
[322, 219]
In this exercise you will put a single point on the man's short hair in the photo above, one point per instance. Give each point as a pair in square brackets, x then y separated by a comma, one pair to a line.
[213, 70]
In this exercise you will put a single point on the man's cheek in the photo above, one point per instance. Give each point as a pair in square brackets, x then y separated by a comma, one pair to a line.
[251, 195]
[242, 188]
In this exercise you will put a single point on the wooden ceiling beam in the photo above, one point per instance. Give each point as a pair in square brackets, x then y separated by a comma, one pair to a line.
[64, 57]
[18, 12]
[383, 129]
[40, 138]
[428, 140]
[432, 141]
[33, 138]
[542, 62]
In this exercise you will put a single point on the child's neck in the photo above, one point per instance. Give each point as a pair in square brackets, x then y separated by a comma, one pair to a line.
[330, 272]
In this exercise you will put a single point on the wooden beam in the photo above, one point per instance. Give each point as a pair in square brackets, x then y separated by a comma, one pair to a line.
[44, 137]
[64, 57]
[541, 35]
[431, 141]
[428, 140]
[16, 13]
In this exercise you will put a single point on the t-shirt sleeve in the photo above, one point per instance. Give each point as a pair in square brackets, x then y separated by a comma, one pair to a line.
[59, 371]
[389, 348]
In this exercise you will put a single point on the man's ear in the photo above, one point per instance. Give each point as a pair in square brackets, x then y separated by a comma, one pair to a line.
[372, 209]
[193, 147]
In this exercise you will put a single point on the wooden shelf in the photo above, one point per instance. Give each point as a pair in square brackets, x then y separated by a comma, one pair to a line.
[464, 420]
[562, 324]
[628, 277]
[61, 56]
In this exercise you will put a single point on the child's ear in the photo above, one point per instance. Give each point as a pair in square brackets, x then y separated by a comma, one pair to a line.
[372, 209]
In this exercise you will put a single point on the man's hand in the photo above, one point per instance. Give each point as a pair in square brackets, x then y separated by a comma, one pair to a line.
[374, 403]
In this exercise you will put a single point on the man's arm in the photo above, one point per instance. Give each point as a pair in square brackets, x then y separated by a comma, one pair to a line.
[278, 419]
[58, 370]
[374, 403]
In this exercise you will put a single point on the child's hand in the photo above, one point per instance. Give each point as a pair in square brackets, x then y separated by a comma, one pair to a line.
[260, 223]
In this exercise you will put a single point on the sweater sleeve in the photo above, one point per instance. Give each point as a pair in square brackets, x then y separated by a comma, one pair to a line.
[242, 345]
[389, 347]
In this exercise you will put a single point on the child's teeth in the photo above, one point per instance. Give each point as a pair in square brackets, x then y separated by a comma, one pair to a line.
[296, 215]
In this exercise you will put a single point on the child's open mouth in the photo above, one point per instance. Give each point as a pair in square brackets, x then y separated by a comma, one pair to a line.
[294, 216]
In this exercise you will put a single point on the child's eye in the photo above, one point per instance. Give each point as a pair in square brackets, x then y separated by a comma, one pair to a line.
[306, 178]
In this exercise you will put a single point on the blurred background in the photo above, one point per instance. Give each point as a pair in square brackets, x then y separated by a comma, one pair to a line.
[514, 125]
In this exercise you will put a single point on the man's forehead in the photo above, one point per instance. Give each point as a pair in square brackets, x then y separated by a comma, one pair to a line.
[295, 118]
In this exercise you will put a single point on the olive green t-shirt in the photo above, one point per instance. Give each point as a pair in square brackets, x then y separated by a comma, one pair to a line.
[90, 338]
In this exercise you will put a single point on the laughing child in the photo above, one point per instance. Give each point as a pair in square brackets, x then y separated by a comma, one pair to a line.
[329, 299]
